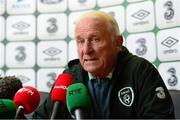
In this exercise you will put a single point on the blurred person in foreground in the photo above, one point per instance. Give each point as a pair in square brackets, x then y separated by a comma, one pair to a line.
[9, 85]
[120, 85]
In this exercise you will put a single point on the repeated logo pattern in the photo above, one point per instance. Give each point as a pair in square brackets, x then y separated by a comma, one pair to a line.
[169, 42]
[20, 25]
[141, 14]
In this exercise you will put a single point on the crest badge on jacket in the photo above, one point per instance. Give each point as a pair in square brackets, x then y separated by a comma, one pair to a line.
[126, 96]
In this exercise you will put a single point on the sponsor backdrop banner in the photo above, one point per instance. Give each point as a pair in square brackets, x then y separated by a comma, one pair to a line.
[37, 36]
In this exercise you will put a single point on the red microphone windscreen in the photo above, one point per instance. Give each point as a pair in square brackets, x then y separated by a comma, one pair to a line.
[28, 97]
[60, 87]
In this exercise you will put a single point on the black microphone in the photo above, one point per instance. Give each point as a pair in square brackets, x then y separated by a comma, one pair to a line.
[78, 101]
[58, 95]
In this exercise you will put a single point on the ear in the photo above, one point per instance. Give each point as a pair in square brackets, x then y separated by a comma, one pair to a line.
[119, 41]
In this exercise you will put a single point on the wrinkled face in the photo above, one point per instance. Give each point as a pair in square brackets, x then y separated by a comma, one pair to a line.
[96, 48]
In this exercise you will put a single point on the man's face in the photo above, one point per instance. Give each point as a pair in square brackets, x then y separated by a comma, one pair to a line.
[96, 48]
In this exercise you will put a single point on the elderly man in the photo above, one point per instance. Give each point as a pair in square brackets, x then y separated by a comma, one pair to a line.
[120, 85]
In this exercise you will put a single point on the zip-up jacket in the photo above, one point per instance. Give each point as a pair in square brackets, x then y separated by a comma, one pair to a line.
[138, 90]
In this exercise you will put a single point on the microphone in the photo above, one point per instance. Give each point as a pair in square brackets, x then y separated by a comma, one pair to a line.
[26, 100]
[78, 100]
[58, 95]
[7, 109]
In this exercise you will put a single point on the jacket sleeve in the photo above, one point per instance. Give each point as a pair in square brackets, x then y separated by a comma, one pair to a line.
[154, 100]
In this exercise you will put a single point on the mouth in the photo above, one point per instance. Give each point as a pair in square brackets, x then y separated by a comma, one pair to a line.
[89, 60]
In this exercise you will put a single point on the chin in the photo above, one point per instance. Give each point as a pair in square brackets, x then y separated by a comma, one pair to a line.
[90, 69]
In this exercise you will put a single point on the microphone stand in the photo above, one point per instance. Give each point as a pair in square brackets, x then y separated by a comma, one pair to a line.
[57, 110]
[20, 113]
[79, 114]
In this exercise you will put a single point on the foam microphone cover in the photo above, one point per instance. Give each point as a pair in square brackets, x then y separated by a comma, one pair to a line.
[28, 97]
[60, 87]
[7, 109]
[77, 97]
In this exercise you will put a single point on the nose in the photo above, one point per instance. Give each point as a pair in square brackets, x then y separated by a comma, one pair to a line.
[87, 48]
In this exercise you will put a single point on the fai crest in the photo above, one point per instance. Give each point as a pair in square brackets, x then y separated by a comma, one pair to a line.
[126, 96]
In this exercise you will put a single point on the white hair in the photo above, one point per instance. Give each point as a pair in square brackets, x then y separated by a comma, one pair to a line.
[111, 22]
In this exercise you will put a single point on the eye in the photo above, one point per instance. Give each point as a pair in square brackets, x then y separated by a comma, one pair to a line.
[80, 40]
[95, 39]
